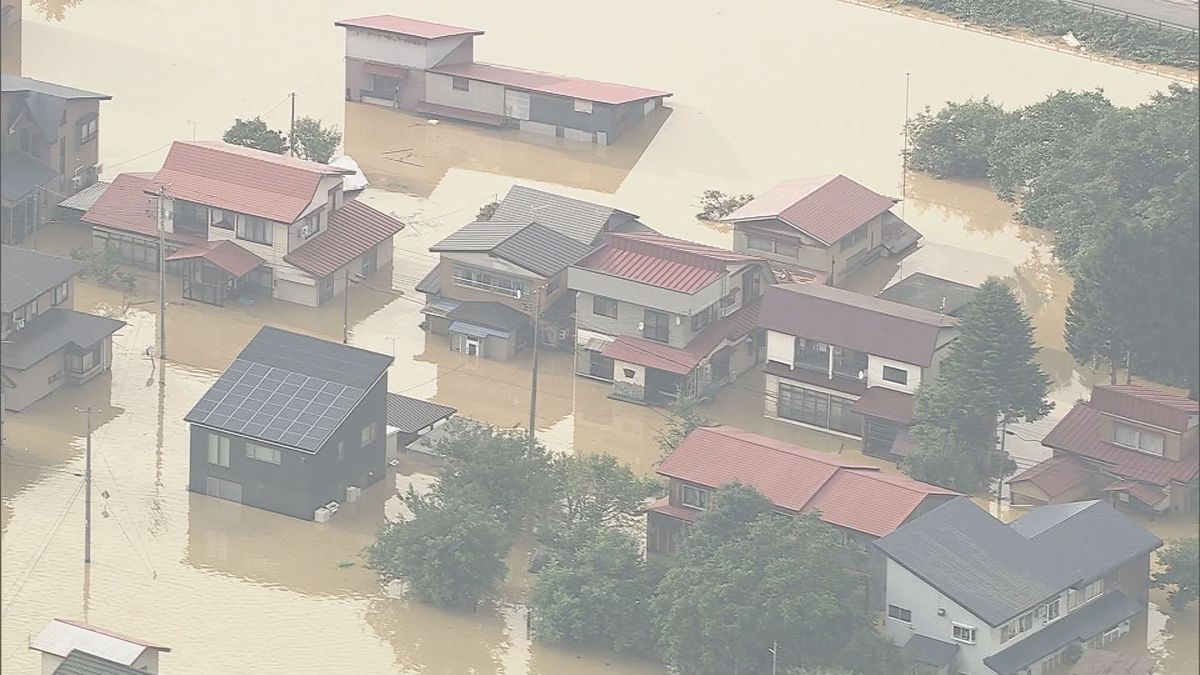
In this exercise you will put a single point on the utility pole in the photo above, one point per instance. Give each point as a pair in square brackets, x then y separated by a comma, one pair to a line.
[87, 479]
[162, 275]
[346, 309]
[537, 338]
[292, 133]
[904, 154]
[774, 655]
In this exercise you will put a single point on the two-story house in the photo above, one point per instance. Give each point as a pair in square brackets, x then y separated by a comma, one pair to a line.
[1137, 445]
[829, 225]
[239, 220]
[492, 276]
[49, 149]
[293, 425]
[848, 364]
[46, 343]
[657, 315]
[971, 595]
[861, 502]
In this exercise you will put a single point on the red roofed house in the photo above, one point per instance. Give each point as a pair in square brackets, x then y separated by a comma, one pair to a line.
[1137, 445]
[849, 364]
[656, 315]
[241, 220]
[430, 68]
[860, 501]
[830, 225]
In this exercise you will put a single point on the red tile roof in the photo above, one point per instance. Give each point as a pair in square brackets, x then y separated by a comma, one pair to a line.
[826, 208]
[796, 479]
[1081, 432]
[658, 260]
[227, 176]
[549, 83]
[353, 230]
[223, 253]
[125, 206]
[885, 403]
[1055, 476]
[1145, 404]
[1148, 494]
[389, 23]
[681, 361]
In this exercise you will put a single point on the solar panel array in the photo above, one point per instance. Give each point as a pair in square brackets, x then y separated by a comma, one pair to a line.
[275, 405]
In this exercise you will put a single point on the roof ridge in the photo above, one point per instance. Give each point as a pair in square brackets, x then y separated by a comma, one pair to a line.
[942, 320]
[816, 455]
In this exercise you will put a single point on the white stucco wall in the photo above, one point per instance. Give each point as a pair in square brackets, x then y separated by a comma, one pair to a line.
[875, 366]
[480, 97]
[639, 373]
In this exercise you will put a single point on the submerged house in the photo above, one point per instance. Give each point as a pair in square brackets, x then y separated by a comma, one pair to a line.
[294, 425]
[849, 364]
[657, 315]
[827, 225]
[430, 68]
[238, 220]
[967, 594]
[934, 294]
[49, 149]
[1137, 446]
[410, 420]
[46, 343]
[74, 648]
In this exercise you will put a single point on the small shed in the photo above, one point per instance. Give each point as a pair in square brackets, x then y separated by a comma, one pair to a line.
[62, 638]
[411, 419]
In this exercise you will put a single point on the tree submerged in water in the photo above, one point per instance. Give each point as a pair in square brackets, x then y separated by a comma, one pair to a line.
[254, 133]
[1180, 572]
[715, 205]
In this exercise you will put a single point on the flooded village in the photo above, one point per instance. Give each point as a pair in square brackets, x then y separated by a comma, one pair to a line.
[499, 245]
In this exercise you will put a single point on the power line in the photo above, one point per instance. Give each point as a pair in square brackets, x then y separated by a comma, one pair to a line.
[121, 496]
[30, 567]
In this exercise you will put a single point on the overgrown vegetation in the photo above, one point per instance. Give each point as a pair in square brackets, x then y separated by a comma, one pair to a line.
[254, 133]
[1180, 572]
[1119, 188]
[683, 417]
[1103, 33]
[715, 205]
[487, 211]
[309, 139]
[990, 377]
[104, 265]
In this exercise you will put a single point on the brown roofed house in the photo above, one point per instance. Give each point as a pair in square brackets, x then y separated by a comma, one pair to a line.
[1135, 445]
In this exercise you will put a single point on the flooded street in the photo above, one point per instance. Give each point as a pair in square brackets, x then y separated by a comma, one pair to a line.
[818, 88]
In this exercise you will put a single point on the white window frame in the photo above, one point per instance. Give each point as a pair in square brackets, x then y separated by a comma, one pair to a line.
[701, 500]
[368, 434]
[969, 632]
[460, 83]
[898, 615]
[903, 377]
[218, 450]
[256, 452]
[61, 292]
[583, 106]
[1141, 438]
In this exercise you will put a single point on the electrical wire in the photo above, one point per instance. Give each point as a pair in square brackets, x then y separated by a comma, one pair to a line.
[30, 567]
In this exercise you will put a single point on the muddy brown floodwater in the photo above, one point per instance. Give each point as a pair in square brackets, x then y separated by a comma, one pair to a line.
[764, 91]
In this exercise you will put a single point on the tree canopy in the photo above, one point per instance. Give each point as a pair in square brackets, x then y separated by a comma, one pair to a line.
[1180, 571]
[315, 142]
[599, 491]
[254, 133]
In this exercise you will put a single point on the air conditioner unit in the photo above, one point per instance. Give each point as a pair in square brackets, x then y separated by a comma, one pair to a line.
[20, 324]
[641, 325]
[322, 515]
[304, 231]
[353, 492]
[332, 507]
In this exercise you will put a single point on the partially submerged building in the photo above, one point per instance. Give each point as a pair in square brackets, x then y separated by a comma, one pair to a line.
[430, 68]
[413, 423]
[933, 294]
[74, 648]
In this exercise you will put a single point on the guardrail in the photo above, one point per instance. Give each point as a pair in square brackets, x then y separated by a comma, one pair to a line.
[1112, 11]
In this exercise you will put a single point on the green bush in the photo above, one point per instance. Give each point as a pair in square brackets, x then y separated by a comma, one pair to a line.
[955, 141]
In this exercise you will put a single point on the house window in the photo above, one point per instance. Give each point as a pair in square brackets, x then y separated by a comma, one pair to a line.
[849, 241]
[60, 292]
[472, 278]
[255, 229]
[1051, 610]
[384, 87]
[896, 375]
[83, 361]
[706, 316]
[818, 409]
[325, 289]
[223, 489]
[657, 326]
[218, 450]
[460, 84]
[629, 373]
[368, 434]
[1138, 439]
[900, 614]
[751, 285]
[582, 106]
[223, 219]
[88, 129]
[787, 248]
[693, 497]
[54, 377]
[602, 306]
[758, 243]
[191, 217]
[264, 454]
[963, 633]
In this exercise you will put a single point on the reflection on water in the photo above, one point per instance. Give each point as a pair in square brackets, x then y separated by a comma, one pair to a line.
[166, 561]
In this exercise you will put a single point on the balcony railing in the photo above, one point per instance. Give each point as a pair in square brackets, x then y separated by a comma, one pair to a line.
[491, 288]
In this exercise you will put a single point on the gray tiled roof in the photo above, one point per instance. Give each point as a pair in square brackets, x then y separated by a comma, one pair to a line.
[13, 83]
[930, 651]
[20, 174]
[82, 663]
[1084, 623]
[83, 200]
[480, 236]
[24, 275]
[489, 314]
[431, 283]
[532, 246]
[53, 330]
[410, 415]
[580, 220]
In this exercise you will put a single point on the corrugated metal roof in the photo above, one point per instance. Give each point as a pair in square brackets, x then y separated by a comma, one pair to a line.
[490, 314]
[390, 23]
[25, 274]
[227, 176]
[859, 322]
[82, 663]
[580, 220]
[682, 361]
[479, 236]
[223, 253]
[1081, 432]
[1055, 476]
[61, 636]
[1145, 404]
[127, 206]
[1148, 494]
[354, 228]
[885, 403]
[532, 246]
[410, 415]
[661, 261]
[54, 329]
[549, 83]
[431, 283]
[826, 208]
[15, 83]
[85, 198]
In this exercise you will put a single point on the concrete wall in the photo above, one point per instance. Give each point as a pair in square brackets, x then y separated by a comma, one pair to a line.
[480, 96]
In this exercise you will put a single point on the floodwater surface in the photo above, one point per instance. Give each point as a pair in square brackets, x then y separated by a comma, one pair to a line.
[763, 91]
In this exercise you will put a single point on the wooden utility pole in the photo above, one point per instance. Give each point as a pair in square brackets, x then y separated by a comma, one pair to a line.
[537, 338]
[87, 479]
[904, 154]
[162, 275]
[346, 309]
[292, 133]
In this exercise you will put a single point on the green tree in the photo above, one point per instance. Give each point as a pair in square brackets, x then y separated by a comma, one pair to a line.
[954, 142]
[595, 590]
[990, 376]
[729, 514]
[315, 142]
[450, 553]
[715, 205]
[254, 133]
[784, 582]
[683, 417]
[599, 491]
[1180, 572]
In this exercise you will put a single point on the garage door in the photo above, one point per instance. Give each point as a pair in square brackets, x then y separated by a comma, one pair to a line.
[516, 104]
